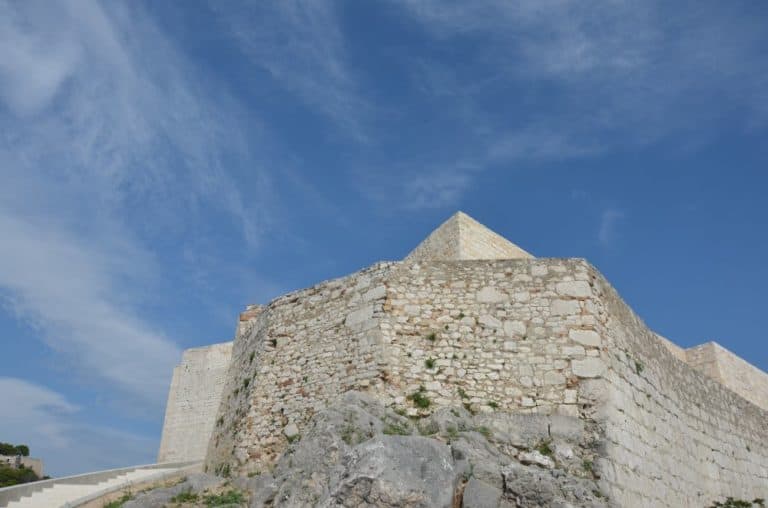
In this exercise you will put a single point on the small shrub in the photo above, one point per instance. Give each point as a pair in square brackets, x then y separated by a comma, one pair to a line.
[291, 439]
[254, 473]
[452, 432]
[185, 497]
[588, 466]
[226, 498]
[246, 382]
[432, 337]
[461, 315]
[462, 393]
[544, 447]
[419, 399]
[273, 342]
[250, 358]
[429, 363]
[639, 367]
[118, 503]
[485, 431]
[428, 429]
[220, 421]
[493, 404]
[737, 503]
[396, 429]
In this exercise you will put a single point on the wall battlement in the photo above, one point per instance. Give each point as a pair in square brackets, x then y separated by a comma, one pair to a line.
[525, 334]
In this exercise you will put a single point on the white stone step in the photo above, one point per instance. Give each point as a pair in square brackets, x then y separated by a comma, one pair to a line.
[60, 494]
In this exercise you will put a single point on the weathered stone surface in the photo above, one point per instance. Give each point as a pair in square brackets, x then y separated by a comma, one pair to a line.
[461, 238]
[480, 495]
[537, 459]
[291, 431]
[514, 328]
[588, 367]
[395, 471]
[357, 453]
[564, 307]
[532, 487]
[489, 321]
[193, 400]
[490, 295]
[575, 288]
[585, 337]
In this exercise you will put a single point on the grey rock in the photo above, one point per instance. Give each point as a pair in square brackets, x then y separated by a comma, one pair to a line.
[201, 482]
[291, 431]
[533, 487]
[395, 471]
[352, 455]
[485, 460]
[536, 458]
[198, 483]
[480, 495]
[156, 498]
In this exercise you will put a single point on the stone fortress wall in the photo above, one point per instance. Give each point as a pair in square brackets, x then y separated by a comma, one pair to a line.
[672, 435]
[193, 401]
[510, 335]
[300, 352]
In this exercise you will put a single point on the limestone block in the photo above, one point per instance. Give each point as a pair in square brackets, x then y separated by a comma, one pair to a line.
[359, 316]
[291, 431]
[586, 337]
[574, 288]
[564, 307]
[490, 294]
[536, 458]
[375, 293]
[554, 378]
[588, 367]
[514, 328]
[489, 321]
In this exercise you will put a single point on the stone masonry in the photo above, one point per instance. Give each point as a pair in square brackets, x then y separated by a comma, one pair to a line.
[193, 401]
[470, 319]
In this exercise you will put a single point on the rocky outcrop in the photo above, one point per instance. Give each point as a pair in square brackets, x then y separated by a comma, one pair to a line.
[357, 453]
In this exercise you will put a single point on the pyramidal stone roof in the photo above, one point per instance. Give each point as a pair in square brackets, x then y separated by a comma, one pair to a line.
[463, 238]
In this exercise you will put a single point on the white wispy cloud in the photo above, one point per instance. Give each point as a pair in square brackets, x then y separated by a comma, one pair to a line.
[590, 77]
[120, 110]
[75, 294]
[608, 232]
[111, 142]
[49, 424]
[300, 44]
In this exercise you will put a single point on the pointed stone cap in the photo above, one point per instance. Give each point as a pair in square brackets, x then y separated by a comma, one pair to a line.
[463, 238]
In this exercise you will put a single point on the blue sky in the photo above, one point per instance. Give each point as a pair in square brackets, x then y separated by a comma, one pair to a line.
[163, 164]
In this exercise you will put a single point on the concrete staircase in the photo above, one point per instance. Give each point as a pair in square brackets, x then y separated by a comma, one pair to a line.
[78, 490]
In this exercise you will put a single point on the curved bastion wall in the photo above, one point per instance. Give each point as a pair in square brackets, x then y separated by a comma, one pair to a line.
[517, 335]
